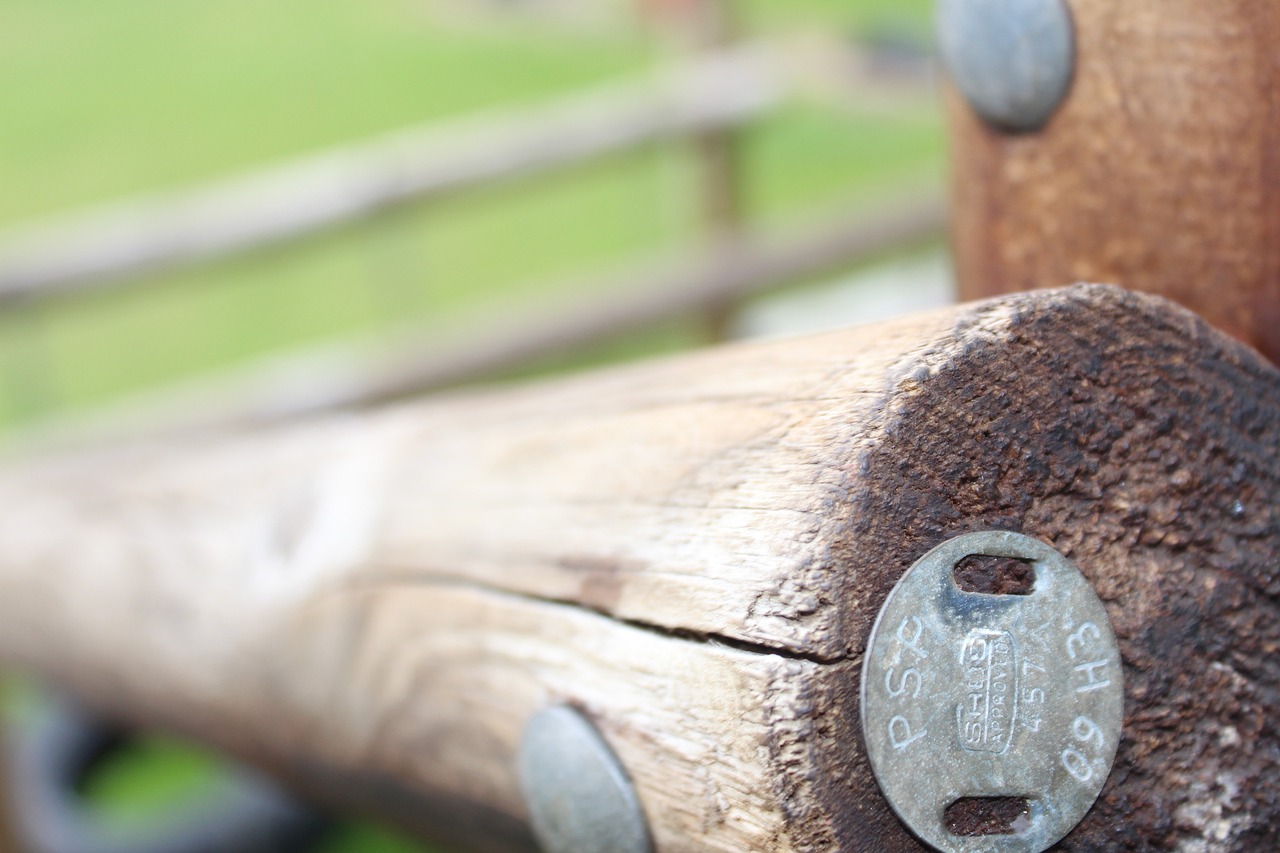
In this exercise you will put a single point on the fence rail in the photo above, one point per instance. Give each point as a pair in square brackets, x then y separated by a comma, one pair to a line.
[355, 373]
[702, 100]
[717, 90]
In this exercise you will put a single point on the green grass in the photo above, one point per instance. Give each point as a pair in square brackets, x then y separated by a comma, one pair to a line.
[855, 17]
[148, 778]
[108, 98]
[111, 97]
[437, 261]
[152, 777]
[105, 99]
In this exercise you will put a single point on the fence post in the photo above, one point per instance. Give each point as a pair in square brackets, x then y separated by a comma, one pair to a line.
[720, 191]
[1158, 172]
[708, 26]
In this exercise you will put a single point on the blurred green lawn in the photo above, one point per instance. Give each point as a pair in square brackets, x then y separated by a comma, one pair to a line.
[106, 98]
[110, 98]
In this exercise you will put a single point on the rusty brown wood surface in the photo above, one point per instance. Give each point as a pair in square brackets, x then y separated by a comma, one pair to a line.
[1160, 172]
[693, 552]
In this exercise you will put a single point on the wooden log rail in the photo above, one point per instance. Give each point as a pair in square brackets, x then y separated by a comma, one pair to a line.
[692, 552]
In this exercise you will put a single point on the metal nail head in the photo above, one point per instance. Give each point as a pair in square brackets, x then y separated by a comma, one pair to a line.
[580, 798]
[1013, 60]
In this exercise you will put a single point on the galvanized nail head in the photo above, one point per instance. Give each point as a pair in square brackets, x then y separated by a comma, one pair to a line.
[966, 694]
[1012, 59]
[579, 796]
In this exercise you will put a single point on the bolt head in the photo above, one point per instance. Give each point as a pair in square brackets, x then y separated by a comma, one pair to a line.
[580, 799]
[1013, 60]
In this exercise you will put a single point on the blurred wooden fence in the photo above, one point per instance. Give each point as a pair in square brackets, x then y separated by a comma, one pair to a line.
[702, 101]
[121, 242]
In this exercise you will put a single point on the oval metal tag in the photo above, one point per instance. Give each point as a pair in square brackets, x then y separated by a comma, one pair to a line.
[969, 695]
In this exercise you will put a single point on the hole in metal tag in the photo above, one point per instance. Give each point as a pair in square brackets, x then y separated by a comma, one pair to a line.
[974, 700]
[987, 815]
[995, 575]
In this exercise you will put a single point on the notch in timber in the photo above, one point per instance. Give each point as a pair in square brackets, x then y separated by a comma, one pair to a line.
[995, 575]
[971, 817]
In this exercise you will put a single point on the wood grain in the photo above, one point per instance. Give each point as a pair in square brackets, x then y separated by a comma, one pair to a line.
[692, 552]
[1160, 172]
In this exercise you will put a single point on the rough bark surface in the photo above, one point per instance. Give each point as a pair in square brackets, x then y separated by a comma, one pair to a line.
[1159, 172]
[693, 552]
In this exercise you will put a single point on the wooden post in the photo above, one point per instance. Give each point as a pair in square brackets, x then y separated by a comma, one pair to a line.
[30, 377]
[692, 552]
[707, 27]
[1160, 172]
[717, 160]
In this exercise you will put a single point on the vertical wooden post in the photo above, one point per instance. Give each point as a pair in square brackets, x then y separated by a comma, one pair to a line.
[1160, 172]
[716, 152]
[709, 25]
[30, 378]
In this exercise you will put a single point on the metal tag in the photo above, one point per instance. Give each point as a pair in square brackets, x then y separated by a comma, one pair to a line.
[969, 695]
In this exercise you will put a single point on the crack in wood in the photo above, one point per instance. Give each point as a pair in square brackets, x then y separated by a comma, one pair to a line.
[382, 578]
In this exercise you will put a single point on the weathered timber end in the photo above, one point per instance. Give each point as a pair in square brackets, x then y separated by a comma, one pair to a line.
[691, 552]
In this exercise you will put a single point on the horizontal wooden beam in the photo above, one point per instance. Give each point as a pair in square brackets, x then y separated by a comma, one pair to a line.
[302, 196]
[692, 552]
